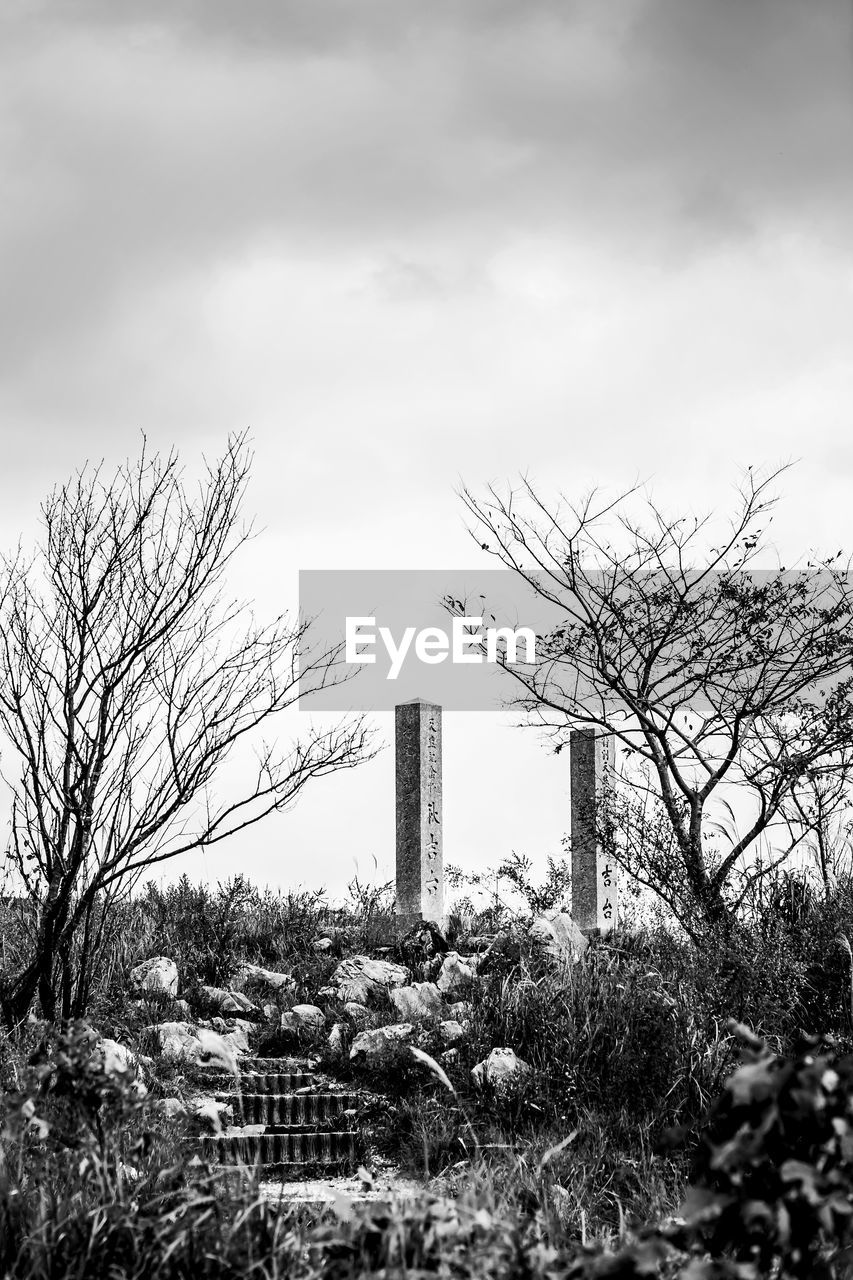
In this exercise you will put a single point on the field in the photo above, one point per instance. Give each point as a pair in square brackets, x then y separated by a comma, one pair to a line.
[665, 1086]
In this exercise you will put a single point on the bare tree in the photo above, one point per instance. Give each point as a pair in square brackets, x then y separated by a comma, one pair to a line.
[127, 678]
[708, 672]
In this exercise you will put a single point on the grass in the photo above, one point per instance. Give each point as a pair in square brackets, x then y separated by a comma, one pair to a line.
[628, 1050]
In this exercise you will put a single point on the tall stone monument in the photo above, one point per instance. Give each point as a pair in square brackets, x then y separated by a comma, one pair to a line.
[595, 903]
[420, 852]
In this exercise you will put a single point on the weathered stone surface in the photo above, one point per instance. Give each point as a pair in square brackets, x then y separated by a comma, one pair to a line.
[594, 876]
[503, 1070]
[228, 1001]
[188, 1043]
[451, 1031]
[461, 1010]
[116, 1059]
[158, 975]
[322, 944]
[418, 1002]
[420, 858]
[559, 936]
[357, 1012]
[360, 978]
[277, 981]
[214, 1115]
[374, 1046]
[338, 1040]
[308, 1017]
[178, 1040]
[456, 974]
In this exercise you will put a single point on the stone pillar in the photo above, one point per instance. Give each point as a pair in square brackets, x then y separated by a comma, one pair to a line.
[420, 856]
[595, 904]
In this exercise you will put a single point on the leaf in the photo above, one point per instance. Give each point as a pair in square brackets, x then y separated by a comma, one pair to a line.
[555, 1150]
[432, 1065]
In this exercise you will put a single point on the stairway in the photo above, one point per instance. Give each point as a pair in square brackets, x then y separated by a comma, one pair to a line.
[285, 1121]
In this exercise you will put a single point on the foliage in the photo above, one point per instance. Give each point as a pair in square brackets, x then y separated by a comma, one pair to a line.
[707, 673]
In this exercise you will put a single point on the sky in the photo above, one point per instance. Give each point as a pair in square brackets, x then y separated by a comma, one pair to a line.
[413, 245]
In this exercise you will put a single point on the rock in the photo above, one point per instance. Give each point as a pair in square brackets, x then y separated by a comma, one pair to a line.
[359, 978]
[376, 1045]
[322, 944]
[451, 1031]
[215, 1114]
[278, 981]
[450, 1056]
[338, 1039]
[308, 1017]
[172, 1108]
[419, 1001]
[559, 937]
[357, 1012]
[178, 1040]
[228, 1001]
[237, 1037]
[460, 1011]
[456, 973]
[503, 1070]
[288, 1022]
[158, 975]
[270, 1011]
[186, 1043]
[116, 1059]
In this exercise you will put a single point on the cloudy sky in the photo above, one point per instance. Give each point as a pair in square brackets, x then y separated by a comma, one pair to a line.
[413, 242]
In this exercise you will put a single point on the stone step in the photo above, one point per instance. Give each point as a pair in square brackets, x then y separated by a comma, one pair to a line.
[262, 1082]
[290, 1149]
[289, 1110]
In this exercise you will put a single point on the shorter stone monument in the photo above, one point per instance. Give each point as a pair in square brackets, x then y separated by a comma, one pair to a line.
[595, 904]
[420, 851]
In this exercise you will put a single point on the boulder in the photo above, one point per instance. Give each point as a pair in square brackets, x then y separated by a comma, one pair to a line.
[178, 1040]
[215, 1115]
[461, 1011]
[270, 1012]
[116, 1059]
[308, 1017]
[158, 975]
[418, 1002]
[451, 1031]
[559, 937]
[228, 1001]
[356, 1012]
[338, 1040]
[321, 945]
[276, 981]
[186, 1043]
[377, 1045]
[456, 974]
[361, 978]
[503, 1070]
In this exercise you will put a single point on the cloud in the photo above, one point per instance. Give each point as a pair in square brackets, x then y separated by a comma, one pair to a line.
[145, 142]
